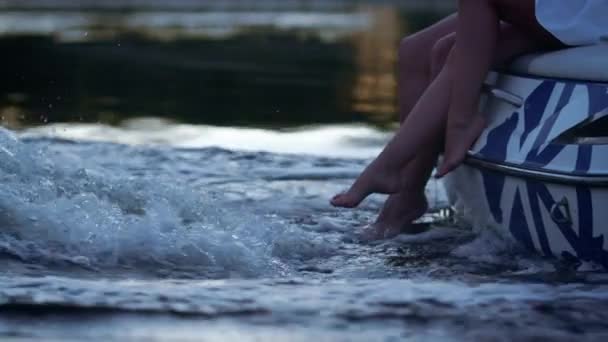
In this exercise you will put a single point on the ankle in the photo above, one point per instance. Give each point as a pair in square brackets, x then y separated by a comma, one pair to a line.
[414, 190]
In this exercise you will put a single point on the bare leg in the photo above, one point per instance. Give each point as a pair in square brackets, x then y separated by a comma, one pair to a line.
[473, 54]
[422, 127]
[416, 70]
[415, 67]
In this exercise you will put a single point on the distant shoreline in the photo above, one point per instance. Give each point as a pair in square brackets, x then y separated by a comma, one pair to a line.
[176, 5]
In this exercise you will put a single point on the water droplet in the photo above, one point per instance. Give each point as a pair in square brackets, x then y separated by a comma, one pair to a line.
[82, 260]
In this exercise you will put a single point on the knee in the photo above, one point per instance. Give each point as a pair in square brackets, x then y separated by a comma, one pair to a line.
[440, 52]
[481, 5]
[477, 2]
[409, 59]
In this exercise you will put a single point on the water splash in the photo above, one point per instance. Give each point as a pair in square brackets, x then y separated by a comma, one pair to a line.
[57, 206]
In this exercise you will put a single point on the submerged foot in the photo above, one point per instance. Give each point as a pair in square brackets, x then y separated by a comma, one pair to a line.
[374, 179]
[397, 216]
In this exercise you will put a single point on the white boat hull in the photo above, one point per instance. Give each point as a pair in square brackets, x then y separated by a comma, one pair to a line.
[531, 175]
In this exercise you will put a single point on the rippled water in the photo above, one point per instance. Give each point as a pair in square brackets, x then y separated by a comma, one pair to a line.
[162, 236]
[157, 230]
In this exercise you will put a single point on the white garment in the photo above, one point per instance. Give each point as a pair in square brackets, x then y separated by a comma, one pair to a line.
[574, 22]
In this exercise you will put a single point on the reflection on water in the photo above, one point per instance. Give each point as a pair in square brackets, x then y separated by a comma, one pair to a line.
[374, 91]
[261, 66]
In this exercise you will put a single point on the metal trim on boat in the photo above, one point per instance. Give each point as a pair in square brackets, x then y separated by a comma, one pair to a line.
[503, 95]
[590, 140]
[545, 176]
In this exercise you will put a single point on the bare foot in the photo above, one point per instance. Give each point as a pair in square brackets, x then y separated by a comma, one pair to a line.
[397, 215]
[374, 179]
[459, 139]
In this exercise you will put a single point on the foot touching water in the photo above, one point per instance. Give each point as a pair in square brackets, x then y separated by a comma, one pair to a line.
[397, 216]
[376, 178]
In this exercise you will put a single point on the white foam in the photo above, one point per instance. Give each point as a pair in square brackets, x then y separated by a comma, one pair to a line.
[61, 206]
[436, 233]
[488, 246]
[332, 141]
[213, 211]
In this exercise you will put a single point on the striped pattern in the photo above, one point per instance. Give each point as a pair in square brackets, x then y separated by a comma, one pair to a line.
[553, 219]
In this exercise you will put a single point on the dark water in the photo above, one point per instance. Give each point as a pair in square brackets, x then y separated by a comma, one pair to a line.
[165, 170]
[274, 65]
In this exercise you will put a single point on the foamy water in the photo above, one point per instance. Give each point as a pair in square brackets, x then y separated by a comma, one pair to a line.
[187, 232]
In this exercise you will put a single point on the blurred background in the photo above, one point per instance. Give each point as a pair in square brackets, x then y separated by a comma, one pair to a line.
[252, 63]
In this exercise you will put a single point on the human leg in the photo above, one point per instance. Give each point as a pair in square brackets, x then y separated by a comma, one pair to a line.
[423, 127]
[414, 63]
[424, 123]
[419, 57]
[471, 59]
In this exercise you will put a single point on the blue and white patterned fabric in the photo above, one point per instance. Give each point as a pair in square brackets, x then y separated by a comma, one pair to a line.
[552, 218]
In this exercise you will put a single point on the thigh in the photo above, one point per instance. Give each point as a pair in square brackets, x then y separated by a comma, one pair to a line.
[521, 15]
[512, 42]
[424, 40]
[414, 67]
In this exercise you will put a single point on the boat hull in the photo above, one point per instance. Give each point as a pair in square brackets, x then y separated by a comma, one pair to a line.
[551, 218]
[524, 179]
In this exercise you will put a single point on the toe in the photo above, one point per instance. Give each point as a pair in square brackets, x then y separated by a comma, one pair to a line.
[342, 200]
[337, 200]
[349, 199]
[455, 153]
[443, 170]
[449, 163]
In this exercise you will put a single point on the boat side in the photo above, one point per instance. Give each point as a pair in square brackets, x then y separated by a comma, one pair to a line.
[539, 171]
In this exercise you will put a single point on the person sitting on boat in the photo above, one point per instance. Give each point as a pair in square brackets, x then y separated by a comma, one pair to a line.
[441, 73]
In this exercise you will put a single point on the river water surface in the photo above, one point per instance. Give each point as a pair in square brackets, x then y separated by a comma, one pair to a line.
[172, 183]
[111, 241]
